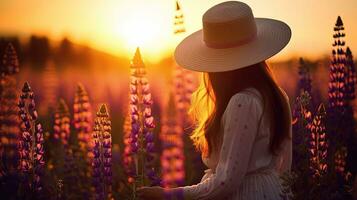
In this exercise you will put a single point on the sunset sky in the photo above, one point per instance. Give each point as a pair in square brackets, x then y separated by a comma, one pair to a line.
[118, 26]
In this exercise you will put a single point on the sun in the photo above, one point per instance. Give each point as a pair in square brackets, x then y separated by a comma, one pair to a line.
[140, 30]
[149, 28]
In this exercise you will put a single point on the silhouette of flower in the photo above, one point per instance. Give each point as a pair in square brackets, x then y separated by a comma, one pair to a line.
[337, 85]
[351, 78]
[318, 143]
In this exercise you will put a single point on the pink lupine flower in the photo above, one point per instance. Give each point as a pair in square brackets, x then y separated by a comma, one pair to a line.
[318, 143]
[337, 68]
[82, 118]
[9, 119]
[172, 157]
[31, 150]
[62, 123]
[340, 160]
[142, 123]
[341, 123]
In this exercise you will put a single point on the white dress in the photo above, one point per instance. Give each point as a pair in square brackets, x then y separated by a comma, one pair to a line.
[244, 169]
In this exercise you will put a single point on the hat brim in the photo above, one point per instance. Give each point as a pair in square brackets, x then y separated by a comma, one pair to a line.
[272, 37]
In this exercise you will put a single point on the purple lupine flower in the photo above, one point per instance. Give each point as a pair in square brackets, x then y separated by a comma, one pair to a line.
[69, 171]
[341, 123]
[102, 151]
[62, 123]
[31, 150]
[172, 157]
[183, 79]
[337, 68]
[318, 143]
[302, 118]
[184, 86]
[351, 78]
[62, 130]
[304, 83]
[337, 88]
[39, 162]
[350, 152]
[142, 123]
[9, 64]
[83, 118]
[183, 89]
[9, 119]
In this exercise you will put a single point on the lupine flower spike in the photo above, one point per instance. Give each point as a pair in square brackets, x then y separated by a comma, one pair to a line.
[172, 158]
[337, 71]
[304, 83]
[301, 122]
[184, 85]
[9, 62]
[62, 123]
[142, 123]
[318, 144]
[62, 131]
[350, 152]
[31, 142]
[341, 124]
[82, 118]
[351, 78]
[9, 119]
[340, 160]
[102, 150]
[183, 79]
[179, 24]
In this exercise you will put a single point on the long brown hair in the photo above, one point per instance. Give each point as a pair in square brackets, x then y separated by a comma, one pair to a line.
[210, 100]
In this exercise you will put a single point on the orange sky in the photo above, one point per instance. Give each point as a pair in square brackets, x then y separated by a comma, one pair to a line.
[117, 26]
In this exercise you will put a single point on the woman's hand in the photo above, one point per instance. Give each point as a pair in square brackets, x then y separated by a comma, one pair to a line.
[151, 193]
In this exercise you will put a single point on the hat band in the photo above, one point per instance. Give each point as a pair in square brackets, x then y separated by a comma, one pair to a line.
[230, 45]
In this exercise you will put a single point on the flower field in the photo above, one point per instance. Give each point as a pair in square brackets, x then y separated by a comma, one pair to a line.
[79, 124]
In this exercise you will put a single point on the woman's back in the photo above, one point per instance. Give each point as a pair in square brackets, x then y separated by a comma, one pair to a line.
[244, 165]
[261, 156]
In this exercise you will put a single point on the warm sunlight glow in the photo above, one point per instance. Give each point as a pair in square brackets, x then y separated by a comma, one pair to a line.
[140, 30]
[117, 27]
[143, 25]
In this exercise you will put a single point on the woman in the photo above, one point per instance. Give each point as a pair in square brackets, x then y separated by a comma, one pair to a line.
[243, 117]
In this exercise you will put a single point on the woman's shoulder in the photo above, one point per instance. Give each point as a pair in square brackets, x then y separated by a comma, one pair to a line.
[248, 99]
[247, 95]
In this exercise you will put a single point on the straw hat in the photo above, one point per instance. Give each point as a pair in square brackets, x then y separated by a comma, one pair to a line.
[231, 39]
